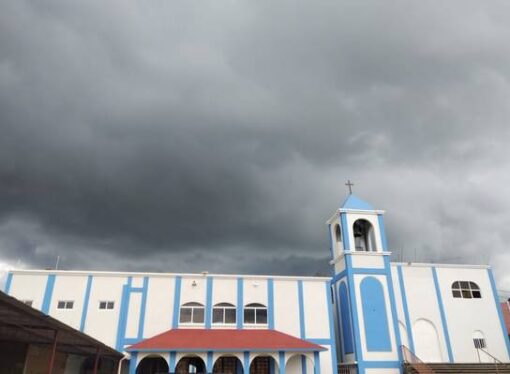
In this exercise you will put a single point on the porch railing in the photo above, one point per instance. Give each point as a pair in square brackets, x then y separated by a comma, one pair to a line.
[412, 360]
[351, 368]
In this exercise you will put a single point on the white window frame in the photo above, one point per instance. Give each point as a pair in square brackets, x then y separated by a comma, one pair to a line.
[192, 306]
[255, 307]
[224, 307]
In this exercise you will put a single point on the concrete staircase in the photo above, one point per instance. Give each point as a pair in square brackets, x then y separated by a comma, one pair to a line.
[466, 368]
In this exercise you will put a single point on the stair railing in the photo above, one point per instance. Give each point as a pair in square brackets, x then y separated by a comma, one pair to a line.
[415, 362]
[496, 361]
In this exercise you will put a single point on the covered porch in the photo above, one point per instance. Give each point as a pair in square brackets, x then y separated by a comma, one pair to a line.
[215, 351]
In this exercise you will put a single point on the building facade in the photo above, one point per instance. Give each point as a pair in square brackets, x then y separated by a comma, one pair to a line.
[366, 317]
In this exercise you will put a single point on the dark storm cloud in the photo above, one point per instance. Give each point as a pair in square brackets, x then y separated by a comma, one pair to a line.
[217, 136]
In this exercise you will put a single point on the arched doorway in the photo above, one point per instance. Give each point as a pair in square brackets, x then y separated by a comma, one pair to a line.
[263, 365]
[104, 366]
[228, 365]
[426, 341]
[299, 364]
[190, 364]
[152, 365]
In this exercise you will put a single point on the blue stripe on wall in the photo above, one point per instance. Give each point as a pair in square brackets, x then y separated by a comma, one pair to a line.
[331, 317]
[8, 283]
[209, 364]
[301, 303]
[85, 303]
[48, 292]
[281, 362]
[177, 302]
[500, 312]
[124, 307]
[339, 325]
[406, 308]
[240, 303]
[171, 365]
[375, 319]
[141, 321]
[443, 315]
[346, 319]
[270, 302]
[393, 307]
[354, 309]
[345, 232]
[208, 303]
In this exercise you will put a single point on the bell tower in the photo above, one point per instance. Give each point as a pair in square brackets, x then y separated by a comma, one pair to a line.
[363, 290]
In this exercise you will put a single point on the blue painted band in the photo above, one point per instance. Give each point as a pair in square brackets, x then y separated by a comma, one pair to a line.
[406, 308]
[301, 303]
[500, 312]
[270, 302]
[339, 326]
[177, 302]
[48, 292]
[375, 318]
[240, 303]
[246, 362]
[141, 321]
[443, 315]
[358, 353]
[319, 341]
[393, 308]
[331, 316]
[86, 303]
[124, 307]
[8, 283]
[208, 303]
[366, 271]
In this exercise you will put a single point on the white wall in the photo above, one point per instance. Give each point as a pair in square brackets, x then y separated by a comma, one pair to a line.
[69, 289]
[159, 307]
[29, 287]
[286, 307]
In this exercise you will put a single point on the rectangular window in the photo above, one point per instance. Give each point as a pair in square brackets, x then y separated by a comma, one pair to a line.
[249, 316]
[198, 315]
[65, 304]
[479, 343]
[185, 315]
[230, 315]
[217, 315]
[261, 316]
[106, 305]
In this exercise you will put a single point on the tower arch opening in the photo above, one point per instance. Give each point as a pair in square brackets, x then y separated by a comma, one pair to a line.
[364, 236]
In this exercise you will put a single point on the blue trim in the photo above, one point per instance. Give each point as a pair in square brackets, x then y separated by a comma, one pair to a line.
[85, 303]
[281, 362]
[331, 326]
[317, 362]
[354, 202]
[319, 341]
[8, 282]
[345, 231]
[141, 321]
[364, 271]
[393, 308]
[242, 349]
[208, 302]
[177, 302]
[358, 353]
[270, 304]
[382, 230]
[246, 363]
[209, 365]
[131, 341]
[172, 363]
[303, 364]
[382, 365]
[48, 292]
[124, 307]
[240, 303]
[443, 315]
[302, 328]
[338, 319]
[406, 308]
[500, 312]
[133, 362]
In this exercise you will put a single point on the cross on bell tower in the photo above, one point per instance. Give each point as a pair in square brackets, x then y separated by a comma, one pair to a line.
[349, 184]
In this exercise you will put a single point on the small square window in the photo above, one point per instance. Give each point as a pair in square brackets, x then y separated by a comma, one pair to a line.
[456, 293]
[102, 305]
[61, 305]
[466, 294]
[110, 305]
[477, 295]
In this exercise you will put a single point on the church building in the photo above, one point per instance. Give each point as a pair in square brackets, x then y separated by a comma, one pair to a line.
[369, 317]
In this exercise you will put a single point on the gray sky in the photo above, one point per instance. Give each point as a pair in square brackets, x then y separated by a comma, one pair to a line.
[217, 135]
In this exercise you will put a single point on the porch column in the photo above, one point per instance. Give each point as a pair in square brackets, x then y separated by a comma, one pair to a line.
[246, 363]
[316, 363]
[281, 361]
[171, 362]
[209, 363]
[133, 362]
[96, 361]
[53, 352]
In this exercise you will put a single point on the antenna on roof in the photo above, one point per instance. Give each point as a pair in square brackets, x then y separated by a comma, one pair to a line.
[56, 263]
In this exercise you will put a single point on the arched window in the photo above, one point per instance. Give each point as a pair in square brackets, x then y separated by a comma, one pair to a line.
[255, 314]
[192, 313]
[466, 290]
[338, 233]
[224, 313]
[364, 237]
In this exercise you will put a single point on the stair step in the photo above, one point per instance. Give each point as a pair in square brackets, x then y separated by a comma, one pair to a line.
[464, 368]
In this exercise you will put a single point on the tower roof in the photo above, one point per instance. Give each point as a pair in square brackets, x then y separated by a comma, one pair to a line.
[354, 202]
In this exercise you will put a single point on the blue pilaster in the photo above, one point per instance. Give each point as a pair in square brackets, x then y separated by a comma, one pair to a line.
[177, 302]
[443, 315]
[48, 293]
[208, 303]
[8, 282]
[270, 303]
[240, 303]
[86, 303]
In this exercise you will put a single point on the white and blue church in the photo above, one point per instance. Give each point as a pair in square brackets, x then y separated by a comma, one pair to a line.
[372, 316]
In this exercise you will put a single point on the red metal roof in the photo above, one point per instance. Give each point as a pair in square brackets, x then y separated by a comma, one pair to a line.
[224, 340]
[506, 315]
